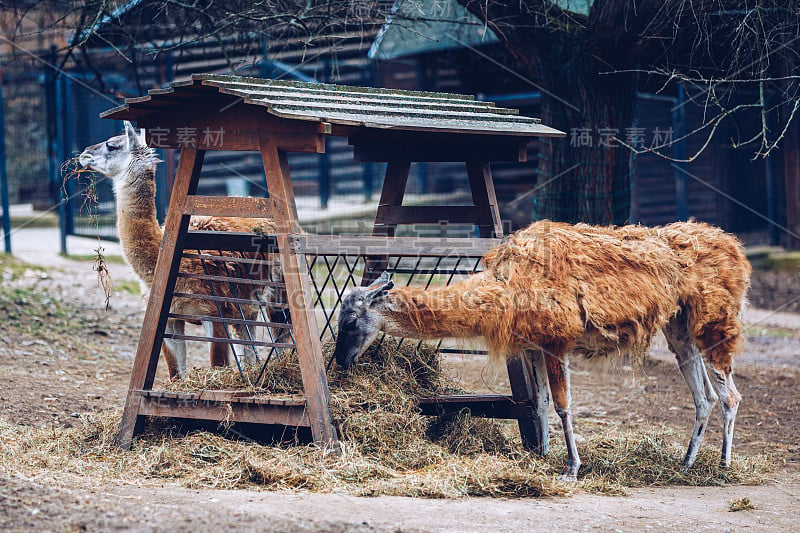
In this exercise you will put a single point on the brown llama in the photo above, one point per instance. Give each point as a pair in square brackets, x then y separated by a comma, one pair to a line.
[555, 289]
[131, 164]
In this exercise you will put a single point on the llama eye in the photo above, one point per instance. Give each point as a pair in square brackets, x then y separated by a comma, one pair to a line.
[110, 147]
[349, 323]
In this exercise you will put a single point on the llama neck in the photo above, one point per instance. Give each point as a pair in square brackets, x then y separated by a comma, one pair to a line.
[139, 232]
[456, 311]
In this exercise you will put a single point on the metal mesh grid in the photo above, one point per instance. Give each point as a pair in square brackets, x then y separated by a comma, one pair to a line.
[241, 298]
[333, 275]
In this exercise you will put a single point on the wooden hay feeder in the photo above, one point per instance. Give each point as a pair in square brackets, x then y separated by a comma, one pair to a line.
[275, 117]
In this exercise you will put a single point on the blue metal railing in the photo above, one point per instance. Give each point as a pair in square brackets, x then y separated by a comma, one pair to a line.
[4, 178]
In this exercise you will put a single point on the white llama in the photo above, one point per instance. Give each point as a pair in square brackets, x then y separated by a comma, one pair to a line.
[131, 164]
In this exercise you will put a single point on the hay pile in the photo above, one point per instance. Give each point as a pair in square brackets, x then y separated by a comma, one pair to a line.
[388, 448]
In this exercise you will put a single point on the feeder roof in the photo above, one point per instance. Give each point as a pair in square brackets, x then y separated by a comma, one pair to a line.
[367, 107]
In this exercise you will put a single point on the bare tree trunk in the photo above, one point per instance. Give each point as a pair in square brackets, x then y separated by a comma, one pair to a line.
[586, 177]
[791, 162]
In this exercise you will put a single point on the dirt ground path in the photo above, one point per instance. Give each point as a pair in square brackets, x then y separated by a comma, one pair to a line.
[32, 505]
[48, 384]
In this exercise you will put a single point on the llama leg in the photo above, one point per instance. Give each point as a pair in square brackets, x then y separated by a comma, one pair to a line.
[218, 351]
[730, 399]
[692, 366]
[176, 348]
[719, 340]
[245, 352]
[558, 376]
[280, 316]
[541, 399]
[169, 357]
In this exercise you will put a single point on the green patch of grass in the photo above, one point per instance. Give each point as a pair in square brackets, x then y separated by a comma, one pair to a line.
[131, 287]
[41, 220]
[760, 331]
[12, 268]
[35, 314]
[786, 261]
[116, 259]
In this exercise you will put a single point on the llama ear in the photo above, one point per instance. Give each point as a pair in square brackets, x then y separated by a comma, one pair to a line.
[382, 280]
[380, 287]
[133, 137]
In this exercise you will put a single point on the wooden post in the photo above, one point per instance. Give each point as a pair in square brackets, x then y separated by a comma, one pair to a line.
[526, 372]
[155, 317]
[298, 288]
[394, 189]
[483, 196]
[528, 377]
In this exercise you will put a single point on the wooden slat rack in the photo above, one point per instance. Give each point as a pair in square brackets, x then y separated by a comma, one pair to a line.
[275, 117]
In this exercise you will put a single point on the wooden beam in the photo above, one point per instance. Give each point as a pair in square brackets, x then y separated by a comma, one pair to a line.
[178, 136]
[279, 184]
[433, 214]
[487, 150]
[231, 241]
[371, 136]
[483, 195]
[301, 296]
[235, 411]
[158, 306]
[528, 378]
[394, 189]
[231, 206]
[484, 405]
[309, 348]
[227, 123]
[395, 246]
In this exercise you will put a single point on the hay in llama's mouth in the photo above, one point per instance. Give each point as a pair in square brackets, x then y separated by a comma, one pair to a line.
[72, 169]
[388, 448]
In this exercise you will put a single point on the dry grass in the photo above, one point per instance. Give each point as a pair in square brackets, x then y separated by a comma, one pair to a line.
[654, 459]
[740, 504]
[388, 448]
[71, 169]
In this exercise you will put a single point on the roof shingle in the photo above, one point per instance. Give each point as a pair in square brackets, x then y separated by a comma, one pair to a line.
[349, 106]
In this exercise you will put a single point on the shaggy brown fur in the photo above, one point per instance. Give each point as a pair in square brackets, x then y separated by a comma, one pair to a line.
[592, 290]
[553, 289]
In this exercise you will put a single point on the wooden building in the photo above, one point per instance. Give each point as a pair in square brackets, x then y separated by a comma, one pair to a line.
[722, 185]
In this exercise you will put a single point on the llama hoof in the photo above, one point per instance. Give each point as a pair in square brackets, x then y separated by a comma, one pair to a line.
[570, 474]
